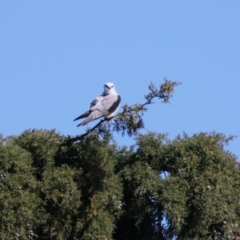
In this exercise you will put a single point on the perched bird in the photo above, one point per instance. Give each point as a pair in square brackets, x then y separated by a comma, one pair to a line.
[104, 105]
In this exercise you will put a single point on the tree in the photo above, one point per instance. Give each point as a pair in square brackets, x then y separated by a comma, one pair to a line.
[88, 187]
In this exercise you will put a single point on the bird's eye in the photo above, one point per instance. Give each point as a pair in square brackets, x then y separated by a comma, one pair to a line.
[107, 86]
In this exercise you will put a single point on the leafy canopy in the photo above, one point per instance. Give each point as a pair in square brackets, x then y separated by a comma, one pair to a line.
[87, 187]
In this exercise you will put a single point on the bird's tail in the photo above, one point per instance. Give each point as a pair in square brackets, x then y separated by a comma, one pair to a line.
[87, 120]
[86, 114]
[91, 117]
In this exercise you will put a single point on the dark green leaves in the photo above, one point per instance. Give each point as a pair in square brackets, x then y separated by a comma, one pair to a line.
[187, 188]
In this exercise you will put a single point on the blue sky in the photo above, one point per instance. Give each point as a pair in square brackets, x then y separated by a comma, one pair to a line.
[55, 57]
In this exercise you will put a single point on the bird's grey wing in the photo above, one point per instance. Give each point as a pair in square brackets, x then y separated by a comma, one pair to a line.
[88, 112]
[97, 111]
[105, 106]
[115, 101]
[96, 100]
[108, 104]
[92, 116]
[114, 108]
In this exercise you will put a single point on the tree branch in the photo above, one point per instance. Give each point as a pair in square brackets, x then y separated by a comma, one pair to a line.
[80, 137]
[130, 119]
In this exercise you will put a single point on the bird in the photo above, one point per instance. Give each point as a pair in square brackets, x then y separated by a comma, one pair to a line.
[104, 105]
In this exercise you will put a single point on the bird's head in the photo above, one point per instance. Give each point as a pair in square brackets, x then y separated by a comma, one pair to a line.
[109, 88]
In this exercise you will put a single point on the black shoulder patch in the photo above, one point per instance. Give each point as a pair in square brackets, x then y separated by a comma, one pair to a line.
[115, 105]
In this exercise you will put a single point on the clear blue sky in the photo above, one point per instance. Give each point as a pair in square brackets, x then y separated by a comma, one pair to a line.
[55, 57]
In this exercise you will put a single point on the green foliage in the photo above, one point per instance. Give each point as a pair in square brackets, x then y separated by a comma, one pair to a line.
[21, 207]
[186, 188]
[200, 197]
[96, 190]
